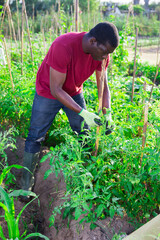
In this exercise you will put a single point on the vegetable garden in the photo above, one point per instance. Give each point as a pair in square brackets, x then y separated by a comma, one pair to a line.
[123, 178]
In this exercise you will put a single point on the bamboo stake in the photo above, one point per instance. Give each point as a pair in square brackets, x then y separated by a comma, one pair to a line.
[10, 33]
[88, 12]
[144, 130]
[158, 48]
[10, 16]
[130, 11]
[134, 72]
[154, 81]
[22, 33]
[140, 128]
[33, 18]
[76, 14]
[9, 65]
[59, 6]
[111, 68]
[71, 18]
[28, 32]
[19, 32]
[100, 96]
[5, 7]
[44, 43]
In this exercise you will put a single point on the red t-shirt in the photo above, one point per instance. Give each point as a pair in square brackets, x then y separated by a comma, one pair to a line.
[67, 56]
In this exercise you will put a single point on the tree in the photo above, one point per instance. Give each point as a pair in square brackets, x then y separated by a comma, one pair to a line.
[136, 2]
[146, 3]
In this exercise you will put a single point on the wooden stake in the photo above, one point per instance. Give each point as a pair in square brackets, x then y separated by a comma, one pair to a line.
[144, 130]
[28, 32]
[76, 14]
[9, 65]
[100, 97]
[10, 33]
[158, 48]
[5, 7]
[33, 18]
[44, 43]
[10, 16]
[19, 32]
[59, 6]
[140, 128]
[88, 12]
[134, 71]
[22, 32]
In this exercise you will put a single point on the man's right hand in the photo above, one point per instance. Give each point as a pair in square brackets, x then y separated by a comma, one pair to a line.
[91, 119]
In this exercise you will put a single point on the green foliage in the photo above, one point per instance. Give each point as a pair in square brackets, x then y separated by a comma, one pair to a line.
[123, 7]
[147, 27]
[6, 141]
[138, 9]
[7, 203]
[145, 70]
[112, 182]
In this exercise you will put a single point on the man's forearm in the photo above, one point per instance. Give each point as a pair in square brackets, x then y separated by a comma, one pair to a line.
[66, 100]
[106, 99]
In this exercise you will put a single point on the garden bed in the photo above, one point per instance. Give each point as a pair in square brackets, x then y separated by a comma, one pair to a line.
[50, 191]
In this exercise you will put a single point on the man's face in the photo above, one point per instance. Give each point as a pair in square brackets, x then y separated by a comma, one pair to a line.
[100, 51]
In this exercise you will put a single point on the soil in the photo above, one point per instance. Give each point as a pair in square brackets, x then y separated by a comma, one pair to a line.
[35, 217]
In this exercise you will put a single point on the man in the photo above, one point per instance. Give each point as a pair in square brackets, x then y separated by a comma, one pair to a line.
[71, 59]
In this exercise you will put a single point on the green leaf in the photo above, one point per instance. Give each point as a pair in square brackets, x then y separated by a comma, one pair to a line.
[47, 173]
[1, 233]
[82, 220]
[99, 210]
[36, 235]
[44, 158]
[6, 199]
[92, 226]
[21, 192]
[85, 206]
[66, 212]
[78, 213]
[7, 170]
[111, 212]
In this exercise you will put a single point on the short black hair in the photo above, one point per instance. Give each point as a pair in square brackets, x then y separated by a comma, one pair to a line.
[105, 32]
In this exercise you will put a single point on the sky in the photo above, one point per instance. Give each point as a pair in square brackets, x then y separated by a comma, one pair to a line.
[128, 1]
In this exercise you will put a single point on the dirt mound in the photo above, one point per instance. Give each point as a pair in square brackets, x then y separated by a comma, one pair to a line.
[50, 191]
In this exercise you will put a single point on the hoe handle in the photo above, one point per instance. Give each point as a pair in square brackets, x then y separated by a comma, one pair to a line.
[100, 97]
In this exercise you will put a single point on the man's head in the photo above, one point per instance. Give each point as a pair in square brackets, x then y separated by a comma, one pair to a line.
[102, 40]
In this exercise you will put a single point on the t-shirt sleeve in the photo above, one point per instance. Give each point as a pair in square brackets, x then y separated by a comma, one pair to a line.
[99, 68]
[58, 57]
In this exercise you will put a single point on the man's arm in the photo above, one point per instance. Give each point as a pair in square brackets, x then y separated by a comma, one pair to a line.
[106, 103]
[57, 80]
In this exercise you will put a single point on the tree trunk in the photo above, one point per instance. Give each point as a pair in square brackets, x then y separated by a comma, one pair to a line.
[136, 2]
[146, 3]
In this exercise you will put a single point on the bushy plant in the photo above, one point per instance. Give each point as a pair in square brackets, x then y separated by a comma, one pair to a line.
[111, 182]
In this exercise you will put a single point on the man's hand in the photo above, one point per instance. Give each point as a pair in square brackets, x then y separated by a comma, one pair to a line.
[90, 118]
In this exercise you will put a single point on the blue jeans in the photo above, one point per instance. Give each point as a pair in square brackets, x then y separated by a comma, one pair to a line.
[44, 111]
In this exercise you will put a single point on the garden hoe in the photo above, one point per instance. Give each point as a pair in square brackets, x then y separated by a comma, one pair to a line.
[100, 97]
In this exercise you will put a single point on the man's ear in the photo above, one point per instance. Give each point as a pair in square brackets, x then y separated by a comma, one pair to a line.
[92, 41]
